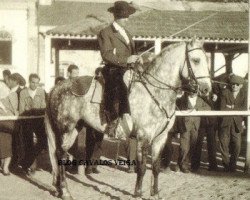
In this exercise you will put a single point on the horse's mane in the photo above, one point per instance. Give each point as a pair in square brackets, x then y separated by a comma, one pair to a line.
[169, 48]
[164, 52]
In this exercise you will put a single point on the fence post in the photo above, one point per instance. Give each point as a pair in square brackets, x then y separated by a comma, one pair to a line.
[247, 169]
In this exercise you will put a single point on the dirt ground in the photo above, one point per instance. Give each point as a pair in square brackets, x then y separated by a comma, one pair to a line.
[116, 183]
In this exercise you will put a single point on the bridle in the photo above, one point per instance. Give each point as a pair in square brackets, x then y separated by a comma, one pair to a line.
[192, 79]
[142, 77]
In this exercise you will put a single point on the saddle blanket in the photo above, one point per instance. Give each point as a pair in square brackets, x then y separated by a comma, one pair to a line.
[80, 86]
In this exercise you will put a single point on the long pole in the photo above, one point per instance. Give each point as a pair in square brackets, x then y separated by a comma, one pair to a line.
[188, 27]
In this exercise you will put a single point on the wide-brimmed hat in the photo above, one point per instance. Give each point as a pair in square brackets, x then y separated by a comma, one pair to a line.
[236, 79]
[122, 9]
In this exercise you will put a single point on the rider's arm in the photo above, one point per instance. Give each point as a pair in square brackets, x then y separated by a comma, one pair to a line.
[108, 52]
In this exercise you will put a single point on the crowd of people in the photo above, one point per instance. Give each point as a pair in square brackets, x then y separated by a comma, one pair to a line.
[226, 129]
[18, 145]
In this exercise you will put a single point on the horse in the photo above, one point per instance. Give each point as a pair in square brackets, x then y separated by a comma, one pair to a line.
[152, 96]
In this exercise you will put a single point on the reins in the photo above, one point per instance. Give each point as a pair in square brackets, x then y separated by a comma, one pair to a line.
[144, 80]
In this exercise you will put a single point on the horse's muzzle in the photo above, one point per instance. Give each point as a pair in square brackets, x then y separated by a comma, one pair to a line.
[205, 89]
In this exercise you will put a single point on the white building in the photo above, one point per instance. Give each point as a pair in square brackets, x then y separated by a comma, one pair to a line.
[18, 36]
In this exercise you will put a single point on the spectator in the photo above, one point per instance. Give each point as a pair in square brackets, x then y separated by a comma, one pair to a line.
[4, 90]
[233, 98]
[93, 149]
[6, 74]
[208, 126]
[189, 127]
[8, 107]
[32, 102]
[59, 79]
[73, 71]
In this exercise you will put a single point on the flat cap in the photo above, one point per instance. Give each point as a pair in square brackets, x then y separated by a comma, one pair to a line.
[236, 79]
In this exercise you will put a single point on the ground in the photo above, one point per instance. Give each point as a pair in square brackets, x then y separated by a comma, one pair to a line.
[116, 183]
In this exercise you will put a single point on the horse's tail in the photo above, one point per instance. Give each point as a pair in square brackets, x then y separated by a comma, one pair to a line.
[52, 144]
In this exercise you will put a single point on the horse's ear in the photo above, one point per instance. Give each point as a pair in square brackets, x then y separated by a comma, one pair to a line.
[202, 42]
[193, 40]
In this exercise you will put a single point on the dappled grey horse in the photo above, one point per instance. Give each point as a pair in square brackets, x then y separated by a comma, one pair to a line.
[152, 96]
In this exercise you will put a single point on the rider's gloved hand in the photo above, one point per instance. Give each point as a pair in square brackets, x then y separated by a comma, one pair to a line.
[133, 59]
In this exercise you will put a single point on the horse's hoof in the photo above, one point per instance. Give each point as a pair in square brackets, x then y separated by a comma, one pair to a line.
[156, 197]
[67, 198]
[154, 192]
[57, 194]
[138, 194]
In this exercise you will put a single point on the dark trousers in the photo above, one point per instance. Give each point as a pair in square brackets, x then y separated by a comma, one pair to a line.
[13, 141]
[188, 140]
[92, 141]
[115, 89]
[6, 132]
[167, 151]
[230, 137]
[31, 149]
[210, 130]
[93, 145]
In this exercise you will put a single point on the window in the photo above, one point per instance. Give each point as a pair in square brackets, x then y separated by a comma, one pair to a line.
[5, 52]
[5, 48]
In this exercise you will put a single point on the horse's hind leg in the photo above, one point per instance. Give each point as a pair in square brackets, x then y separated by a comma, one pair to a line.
[61, 183]
[67, 141]
[52, 149]
[140, 166]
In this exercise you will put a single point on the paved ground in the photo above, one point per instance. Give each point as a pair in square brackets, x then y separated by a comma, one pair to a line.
[116, 183]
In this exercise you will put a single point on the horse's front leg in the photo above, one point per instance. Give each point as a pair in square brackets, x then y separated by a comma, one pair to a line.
[157, 147]
[67, 141]
[140, 166]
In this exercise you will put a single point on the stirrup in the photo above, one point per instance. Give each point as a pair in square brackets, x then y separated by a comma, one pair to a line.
[111, 128]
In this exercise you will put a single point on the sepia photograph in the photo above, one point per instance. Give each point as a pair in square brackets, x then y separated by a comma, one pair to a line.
[124, 99]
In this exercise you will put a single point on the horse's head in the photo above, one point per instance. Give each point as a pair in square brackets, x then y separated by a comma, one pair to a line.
[195, 70]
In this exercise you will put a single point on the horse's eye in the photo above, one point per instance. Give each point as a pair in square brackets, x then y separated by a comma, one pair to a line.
[196, 61]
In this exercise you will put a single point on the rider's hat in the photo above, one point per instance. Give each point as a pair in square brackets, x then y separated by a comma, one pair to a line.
[122, 9]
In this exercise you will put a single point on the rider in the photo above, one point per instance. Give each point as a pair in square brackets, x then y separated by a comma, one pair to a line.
[117, 50]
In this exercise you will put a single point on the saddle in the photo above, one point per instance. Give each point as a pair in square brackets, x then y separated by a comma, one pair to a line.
[80, 85]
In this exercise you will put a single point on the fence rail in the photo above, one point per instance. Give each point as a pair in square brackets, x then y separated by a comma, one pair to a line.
[178, 113]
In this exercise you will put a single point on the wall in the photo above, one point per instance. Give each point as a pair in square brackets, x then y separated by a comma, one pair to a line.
[15, 22]
[19, 19]
[87, 60]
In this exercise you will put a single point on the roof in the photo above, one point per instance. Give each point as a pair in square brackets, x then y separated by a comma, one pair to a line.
[217, 26]
[60, 12]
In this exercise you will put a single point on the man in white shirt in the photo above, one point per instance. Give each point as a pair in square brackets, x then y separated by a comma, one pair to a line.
[32, 102]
